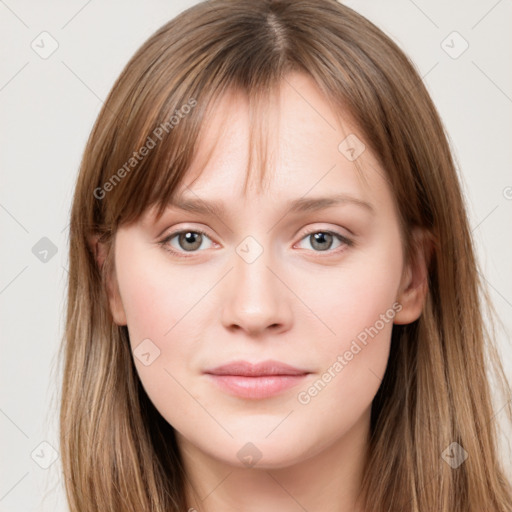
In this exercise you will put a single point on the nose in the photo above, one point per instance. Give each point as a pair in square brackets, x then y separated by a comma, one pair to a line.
[255, 299]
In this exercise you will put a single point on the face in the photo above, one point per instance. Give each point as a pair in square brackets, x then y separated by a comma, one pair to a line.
[316, 288]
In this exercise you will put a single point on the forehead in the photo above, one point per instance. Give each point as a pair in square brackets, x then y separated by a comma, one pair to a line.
[290, 141]
[259, 158]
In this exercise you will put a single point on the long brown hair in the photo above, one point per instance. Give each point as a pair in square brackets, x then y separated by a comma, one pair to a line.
[118, 453]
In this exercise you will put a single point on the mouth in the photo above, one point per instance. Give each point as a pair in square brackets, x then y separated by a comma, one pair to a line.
[256, 381]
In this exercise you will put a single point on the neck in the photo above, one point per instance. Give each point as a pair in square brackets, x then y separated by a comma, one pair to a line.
[326, 481]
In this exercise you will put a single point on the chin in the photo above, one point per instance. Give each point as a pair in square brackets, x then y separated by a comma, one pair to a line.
[262, 453]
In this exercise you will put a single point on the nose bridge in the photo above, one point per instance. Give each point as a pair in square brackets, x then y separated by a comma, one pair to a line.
[254, 282]
[255, 298]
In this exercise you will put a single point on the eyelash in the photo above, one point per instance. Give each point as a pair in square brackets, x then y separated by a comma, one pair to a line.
[343, 239]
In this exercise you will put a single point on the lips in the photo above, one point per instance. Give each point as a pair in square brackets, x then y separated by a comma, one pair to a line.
[256, 381]
[265, 368]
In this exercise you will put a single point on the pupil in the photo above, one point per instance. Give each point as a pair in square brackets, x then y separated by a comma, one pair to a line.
[320, 240]
[189, 239]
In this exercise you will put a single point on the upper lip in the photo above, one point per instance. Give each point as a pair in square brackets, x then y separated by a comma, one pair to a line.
[246, 369]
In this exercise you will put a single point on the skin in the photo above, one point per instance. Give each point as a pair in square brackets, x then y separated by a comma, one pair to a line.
[295, 303]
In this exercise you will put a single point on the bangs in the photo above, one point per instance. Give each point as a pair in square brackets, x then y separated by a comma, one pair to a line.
[151, 127]
[170, 168]
[167, 164]
[156, 120]
[165, 143]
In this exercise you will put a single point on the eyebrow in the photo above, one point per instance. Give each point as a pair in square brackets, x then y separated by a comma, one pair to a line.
[301, 205]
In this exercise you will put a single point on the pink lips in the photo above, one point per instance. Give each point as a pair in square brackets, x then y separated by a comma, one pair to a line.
[262, 380]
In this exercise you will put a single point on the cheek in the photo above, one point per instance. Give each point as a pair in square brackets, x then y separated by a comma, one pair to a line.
[163, 306]
[352, 297]
[174, 306]
[156, 296]
[358, 303]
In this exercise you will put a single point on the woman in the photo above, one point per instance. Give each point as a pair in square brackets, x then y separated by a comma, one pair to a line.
[273, 296]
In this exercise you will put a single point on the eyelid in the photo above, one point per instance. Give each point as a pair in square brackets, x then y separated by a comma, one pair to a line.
[346, 241]
[182, 226]
[334, 231]
[179, 231]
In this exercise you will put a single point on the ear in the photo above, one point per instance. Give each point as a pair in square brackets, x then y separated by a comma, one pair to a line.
[414, 283]
[100, 251]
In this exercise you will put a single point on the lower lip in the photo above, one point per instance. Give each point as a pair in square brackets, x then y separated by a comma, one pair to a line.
[256, 387]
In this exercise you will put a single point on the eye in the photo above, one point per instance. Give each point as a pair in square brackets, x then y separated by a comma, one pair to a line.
[322, 241]
[187, 240]
[191, 240]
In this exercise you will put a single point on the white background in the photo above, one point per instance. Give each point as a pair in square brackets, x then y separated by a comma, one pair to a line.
[47, 109]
